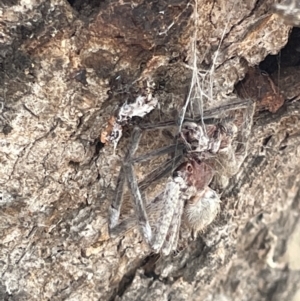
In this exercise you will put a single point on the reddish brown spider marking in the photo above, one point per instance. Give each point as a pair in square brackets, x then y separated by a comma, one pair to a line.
[196, 174]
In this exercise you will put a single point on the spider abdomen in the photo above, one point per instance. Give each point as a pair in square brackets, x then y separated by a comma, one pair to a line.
[201, 210]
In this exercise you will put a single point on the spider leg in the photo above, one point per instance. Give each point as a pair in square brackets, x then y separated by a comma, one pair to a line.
[161, 151]
[164, 170]
[229, 160]
[114, 209]
[160, 173]
[207, 114]
[171, 201]
[138, 202]
[133, 185]
[154, 209]
[158, 125]
[154, 206]
[217, 111]
[234, 158]
[173, 234]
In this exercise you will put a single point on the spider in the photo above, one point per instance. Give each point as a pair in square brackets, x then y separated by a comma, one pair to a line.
[186, 195]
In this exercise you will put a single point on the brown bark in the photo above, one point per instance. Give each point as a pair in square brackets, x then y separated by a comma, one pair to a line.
[64, 71]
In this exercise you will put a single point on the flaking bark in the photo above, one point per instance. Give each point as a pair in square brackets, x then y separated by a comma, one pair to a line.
[64, 71]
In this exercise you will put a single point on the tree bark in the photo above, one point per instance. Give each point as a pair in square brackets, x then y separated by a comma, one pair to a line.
[65, 69]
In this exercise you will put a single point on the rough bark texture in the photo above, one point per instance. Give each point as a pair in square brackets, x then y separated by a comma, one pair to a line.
[64, 71]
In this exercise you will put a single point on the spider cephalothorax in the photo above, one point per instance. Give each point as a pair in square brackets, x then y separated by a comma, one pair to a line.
[210, 138]
[195, 137]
